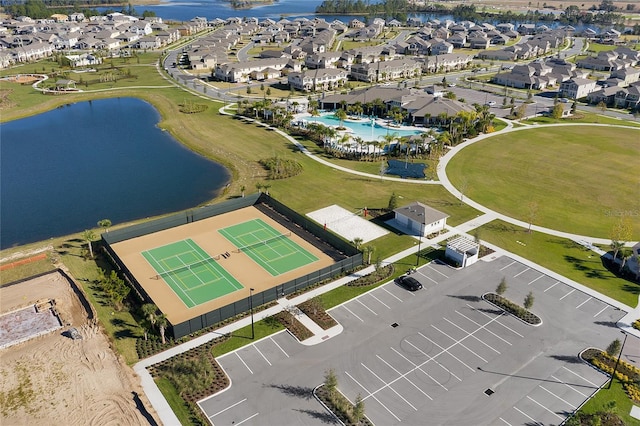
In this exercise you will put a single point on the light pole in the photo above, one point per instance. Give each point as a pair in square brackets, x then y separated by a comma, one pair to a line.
[419, 242]
[618, 360]
[253, 335]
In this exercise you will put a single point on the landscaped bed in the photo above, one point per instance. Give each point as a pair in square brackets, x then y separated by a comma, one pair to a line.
[512, 308]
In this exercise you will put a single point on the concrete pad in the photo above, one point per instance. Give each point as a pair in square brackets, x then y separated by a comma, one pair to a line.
[347, 224]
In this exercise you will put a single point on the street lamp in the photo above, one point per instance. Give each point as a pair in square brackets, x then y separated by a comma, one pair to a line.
[253, 335]
[618, 360]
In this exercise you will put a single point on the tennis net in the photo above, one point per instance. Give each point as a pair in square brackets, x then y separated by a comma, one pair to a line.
[262, 243]
[180, 268]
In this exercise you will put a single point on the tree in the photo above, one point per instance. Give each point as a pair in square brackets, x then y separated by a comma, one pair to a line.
[161, 321]
[464, 187]
[367, 251]
[330, 381]
[242, 189]
[149, 311]
[88, 235]
[105, 224]
[602, 106]
[614, 348]
[532, 213]
[393, 202]
[620, 234]
[357, 241]
[557, 111]
[341, 115]
[358, 410]
[502, 287]
[528, 300]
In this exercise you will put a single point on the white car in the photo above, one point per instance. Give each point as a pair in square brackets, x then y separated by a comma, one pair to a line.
[491, 103]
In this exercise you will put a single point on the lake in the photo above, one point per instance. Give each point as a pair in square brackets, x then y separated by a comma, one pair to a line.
[64, 170]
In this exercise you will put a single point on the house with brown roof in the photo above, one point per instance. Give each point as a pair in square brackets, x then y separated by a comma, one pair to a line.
[420, 219]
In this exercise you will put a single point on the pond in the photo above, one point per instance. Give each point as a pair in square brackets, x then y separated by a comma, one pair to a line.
[64, 170]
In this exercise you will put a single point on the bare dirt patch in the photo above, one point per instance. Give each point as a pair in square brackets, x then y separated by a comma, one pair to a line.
[53, 379]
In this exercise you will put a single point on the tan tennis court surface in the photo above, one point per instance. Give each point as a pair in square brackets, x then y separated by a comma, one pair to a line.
[194, 268]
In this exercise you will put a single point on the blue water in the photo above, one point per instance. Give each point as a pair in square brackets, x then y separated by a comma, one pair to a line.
[362, 129]
[64, 170]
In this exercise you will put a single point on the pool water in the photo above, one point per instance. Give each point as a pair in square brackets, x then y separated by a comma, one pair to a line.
[362, 129]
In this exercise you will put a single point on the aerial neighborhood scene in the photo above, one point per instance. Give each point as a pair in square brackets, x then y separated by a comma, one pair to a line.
[307, 212]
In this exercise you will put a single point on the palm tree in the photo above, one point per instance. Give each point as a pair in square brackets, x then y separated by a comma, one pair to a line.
[242, 189]
[367, 252]
[149, 311]
[357, 241]
[88, 235]
[105, 224]
[161, 321]
[341, 115]
[360, 142]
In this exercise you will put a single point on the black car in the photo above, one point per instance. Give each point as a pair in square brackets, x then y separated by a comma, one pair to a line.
[409, 283]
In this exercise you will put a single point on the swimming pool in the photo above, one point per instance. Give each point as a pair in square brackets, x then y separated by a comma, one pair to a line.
[363, 129]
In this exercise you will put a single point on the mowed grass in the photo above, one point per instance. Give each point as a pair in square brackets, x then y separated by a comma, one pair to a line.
[562, 256]
[582, 178]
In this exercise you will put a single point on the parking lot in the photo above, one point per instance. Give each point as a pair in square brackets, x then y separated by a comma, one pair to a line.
[440, 352]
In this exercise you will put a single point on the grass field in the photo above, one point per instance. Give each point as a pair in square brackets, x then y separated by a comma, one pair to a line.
[562, 256]
[582, 178]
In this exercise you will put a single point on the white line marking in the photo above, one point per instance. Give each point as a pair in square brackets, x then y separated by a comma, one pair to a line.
[527, 416]
[381, 302]
[569, 386]
[228, 408]
[552, 286]
[505, 267]
[368, 308]
[506, 422]
[551, 411]
[372, 395]
[394, 391]
[531, 282]
[392, 295]
[584, 302]
[247, 419]
[572, 290]
[351, 312]
[280, 347]
[265, 358]
[602, 310]
[566, 402]
[486, 329]
[436, 361]
[398, 372]
[475, 337]
[520, 273]
[588, 381]
[418, 368]
[435, 270]
[505, 326]
[430, 279]
[452, 355]
[245, 364]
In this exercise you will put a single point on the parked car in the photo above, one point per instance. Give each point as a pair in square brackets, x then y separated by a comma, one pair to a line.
[409, 283]
[491, 103]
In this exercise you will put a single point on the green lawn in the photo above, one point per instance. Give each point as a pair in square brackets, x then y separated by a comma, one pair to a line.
[562, 256]
[597, 47]
[581, 177]
[584, 118]
[617, 394]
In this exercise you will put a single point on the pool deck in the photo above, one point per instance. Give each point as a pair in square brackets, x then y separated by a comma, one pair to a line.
[350, 119]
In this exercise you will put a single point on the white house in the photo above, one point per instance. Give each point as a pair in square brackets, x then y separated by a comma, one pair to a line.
[420, 219]
[462, 251]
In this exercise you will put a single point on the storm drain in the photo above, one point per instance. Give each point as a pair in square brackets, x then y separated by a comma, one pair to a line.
[394, 325]
[489, 392]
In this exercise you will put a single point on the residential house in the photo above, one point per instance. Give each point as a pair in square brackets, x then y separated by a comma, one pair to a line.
[385, 70]
[420, 219]
[577, 88]
[317, 79]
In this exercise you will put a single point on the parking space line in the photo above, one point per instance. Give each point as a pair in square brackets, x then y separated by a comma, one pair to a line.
[505, 422]
[351, 312]
[461, 344]
[381, 302]
[531, 282]
[552, 286]
[280, 347]
[572, 290]
[504, 325]
[452, 355]
[588, 381]
[228, 408]
[520, 273]
[394, 391]
[371, 395]
[435, 270]
[416, 367]
[561, 399]
[584, 302]
[527, 416]
[265, 358]
[551, 411]
[429, 278]
[505, 267]
[247, 419]
[601, 311]
[392, 295]
[368, 308]
[245, 364]
[475, 337]
[569, 386]
[485, 328]
[431, 358]
[406, 378]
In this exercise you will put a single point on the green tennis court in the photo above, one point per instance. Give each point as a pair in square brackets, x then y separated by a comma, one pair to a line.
[191, 273]
[273, 251]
